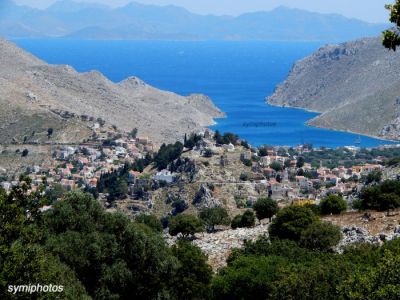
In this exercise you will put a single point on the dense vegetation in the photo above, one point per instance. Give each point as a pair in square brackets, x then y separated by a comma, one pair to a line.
[226, 138]
[167, 154]
[332, 158]
[284, 270]
[381, 197]
[95, 254]
[91, 253]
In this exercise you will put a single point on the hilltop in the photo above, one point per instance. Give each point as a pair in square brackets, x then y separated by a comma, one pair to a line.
[70, 19]
[354, 85]
[36, 96]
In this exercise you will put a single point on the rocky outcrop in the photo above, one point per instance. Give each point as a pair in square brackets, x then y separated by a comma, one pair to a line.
[353, 235]
[29, 86]
[355, 86]
[205, 199]
[217, 246]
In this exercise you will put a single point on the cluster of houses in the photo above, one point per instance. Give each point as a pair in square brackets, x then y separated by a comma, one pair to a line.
[310, 184]
[83, 165]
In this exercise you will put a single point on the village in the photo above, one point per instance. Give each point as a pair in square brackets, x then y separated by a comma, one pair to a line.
[234, 176]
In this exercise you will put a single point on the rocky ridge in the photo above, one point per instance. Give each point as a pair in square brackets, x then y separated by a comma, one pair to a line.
[355, 86]
[353, 235]
[30, 87]
[217, 246]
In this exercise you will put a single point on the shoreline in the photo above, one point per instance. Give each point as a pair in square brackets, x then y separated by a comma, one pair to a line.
[333, 129]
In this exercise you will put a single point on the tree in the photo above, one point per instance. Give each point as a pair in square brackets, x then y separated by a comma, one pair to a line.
[214, 216]
[320, 236]
[265, 208]
[133, 133]
[374, 177]
[244, 177]
[300, 162]
[185, 224]
[192, 141]
[248, 220]
[208, 153]
[291, 221]
[193, 275]
[227, 138]
[150, 220]
[391, 37]
[245, 144]
[277, 166]
[378, 282]
[25, 153]
[263, 151]
[389, 201]
[247, 162]
[333, 204]
[236, 222]
[118, 190]
[50, 132]
[55, 192]
[218, 137]
[167, 154]
[110, 255]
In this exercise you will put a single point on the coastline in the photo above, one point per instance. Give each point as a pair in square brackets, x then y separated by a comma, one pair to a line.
[331, 128]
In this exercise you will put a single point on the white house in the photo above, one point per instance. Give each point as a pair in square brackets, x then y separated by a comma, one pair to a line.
[165, 175]
[229, 148]
[6, 185]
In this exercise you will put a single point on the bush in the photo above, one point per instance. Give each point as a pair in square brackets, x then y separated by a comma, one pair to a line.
[247, 162]
[277, 166]
[50, 132]
[227, 138]
[320, 236]
[236, 222]
[208, 153]
[265, 208]
[25, 153]
[193, 275]
[167, 154]
[185, 225]
[291, 221]
[248, 219]
[244, 177]
[151, 221]
[333, 204]
[381, 197]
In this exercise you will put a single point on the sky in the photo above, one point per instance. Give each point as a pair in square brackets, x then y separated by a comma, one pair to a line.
[367, 10]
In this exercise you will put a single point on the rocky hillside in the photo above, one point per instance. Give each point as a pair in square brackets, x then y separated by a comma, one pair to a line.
[35, 96]
[355, 86]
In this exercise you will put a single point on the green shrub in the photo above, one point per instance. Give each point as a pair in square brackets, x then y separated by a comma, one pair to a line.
[291, 221]
[248, 219]
[333, 204]
[320, 236]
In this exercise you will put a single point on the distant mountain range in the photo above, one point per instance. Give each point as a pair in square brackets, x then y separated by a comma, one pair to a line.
[355, 86]
[69, 19]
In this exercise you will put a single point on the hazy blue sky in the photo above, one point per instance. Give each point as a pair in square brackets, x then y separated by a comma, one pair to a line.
[369, 10]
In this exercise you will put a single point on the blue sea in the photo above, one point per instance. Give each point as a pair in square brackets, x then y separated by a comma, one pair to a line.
[237, 76]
